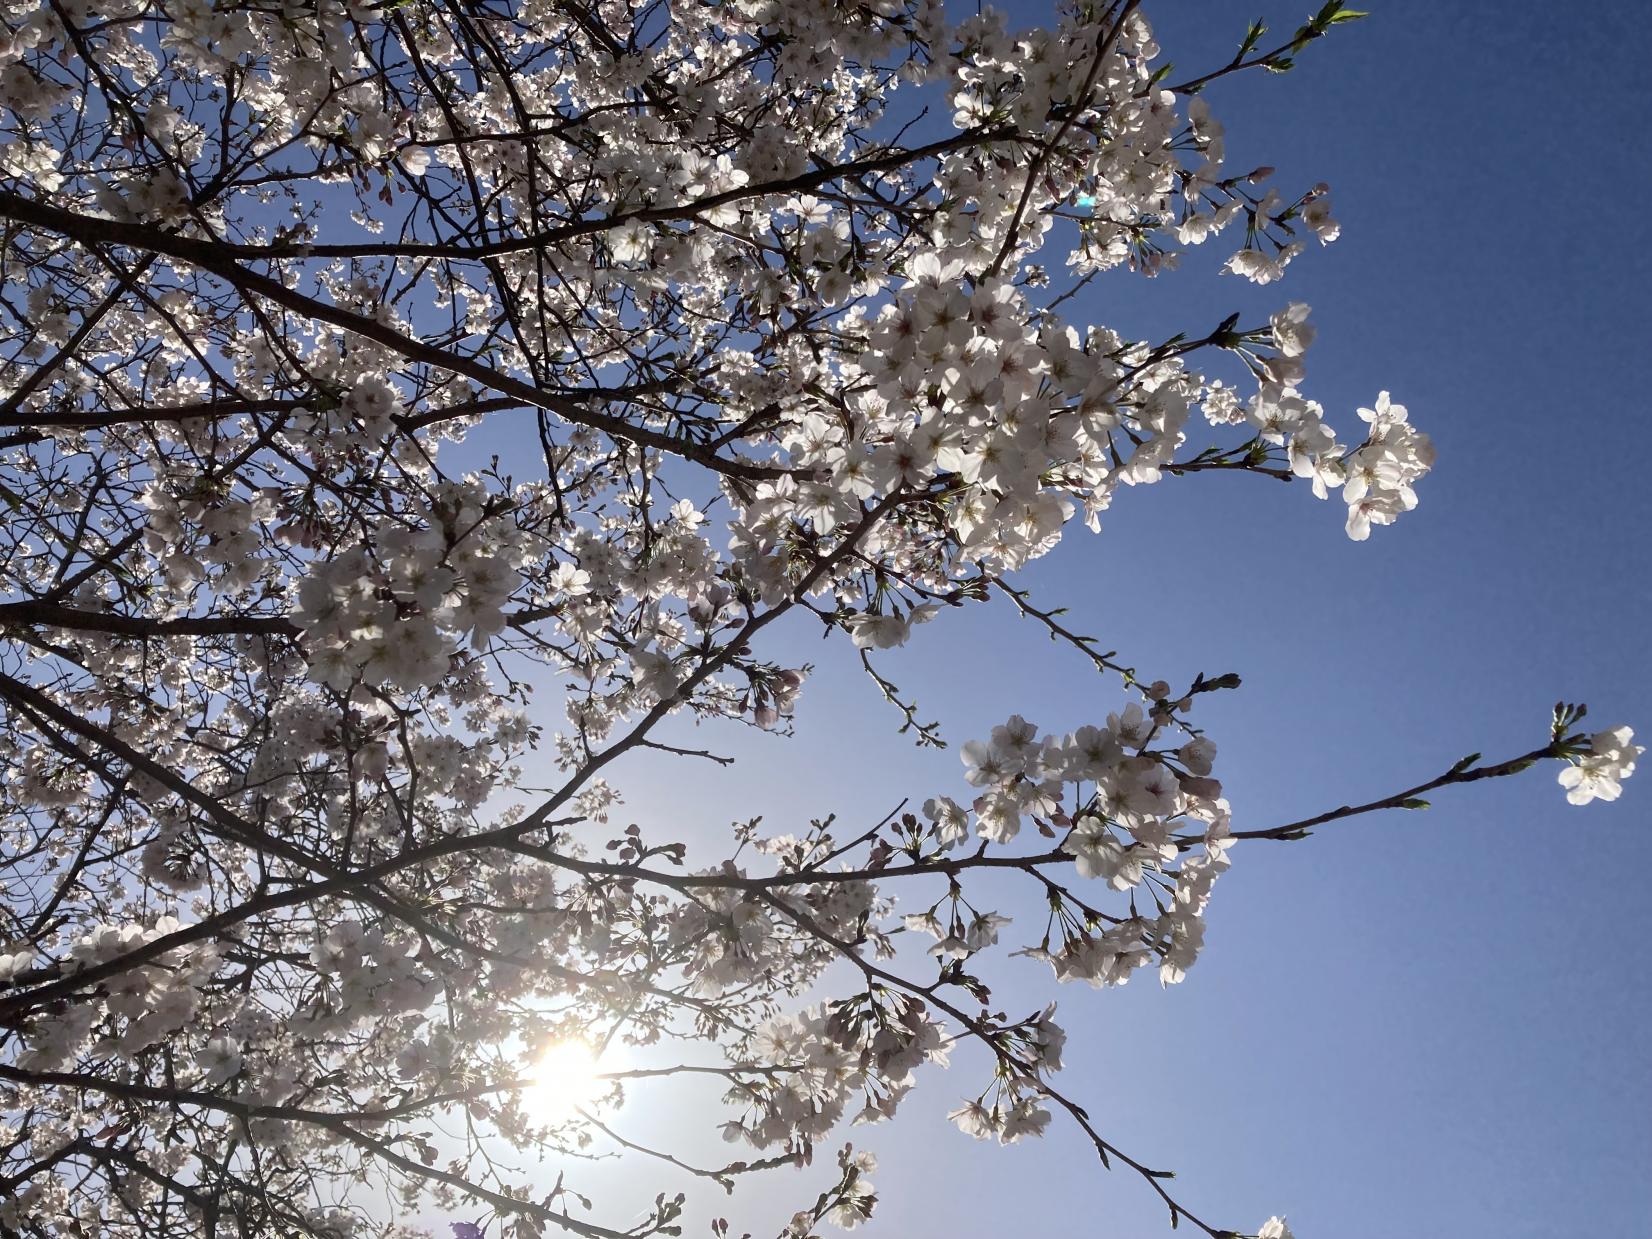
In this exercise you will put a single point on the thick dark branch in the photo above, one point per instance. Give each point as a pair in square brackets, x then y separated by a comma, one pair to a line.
[670, 213]
[57, 616]
[210, 256]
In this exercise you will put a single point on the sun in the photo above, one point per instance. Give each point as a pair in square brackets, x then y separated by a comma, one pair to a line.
[566, 1077]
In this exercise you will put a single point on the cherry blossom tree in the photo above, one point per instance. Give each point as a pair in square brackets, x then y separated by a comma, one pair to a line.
[317, 714]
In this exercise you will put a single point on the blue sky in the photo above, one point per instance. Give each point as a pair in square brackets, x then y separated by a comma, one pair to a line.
[1427, 1023]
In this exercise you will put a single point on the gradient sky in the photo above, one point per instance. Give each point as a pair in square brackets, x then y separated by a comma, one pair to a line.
[1428, 1024]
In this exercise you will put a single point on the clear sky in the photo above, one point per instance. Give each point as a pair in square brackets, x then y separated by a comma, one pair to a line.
[1430, 1024]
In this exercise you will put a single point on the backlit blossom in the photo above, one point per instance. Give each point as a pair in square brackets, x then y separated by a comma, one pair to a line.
[1599, 773]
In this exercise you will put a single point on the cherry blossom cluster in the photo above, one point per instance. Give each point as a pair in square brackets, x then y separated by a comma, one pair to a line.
[1121, 803]
[396, 614]
[831, 1058]
[1598, 772]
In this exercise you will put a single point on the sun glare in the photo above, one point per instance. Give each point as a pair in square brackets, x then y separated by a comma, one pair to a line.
[565, 1078]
